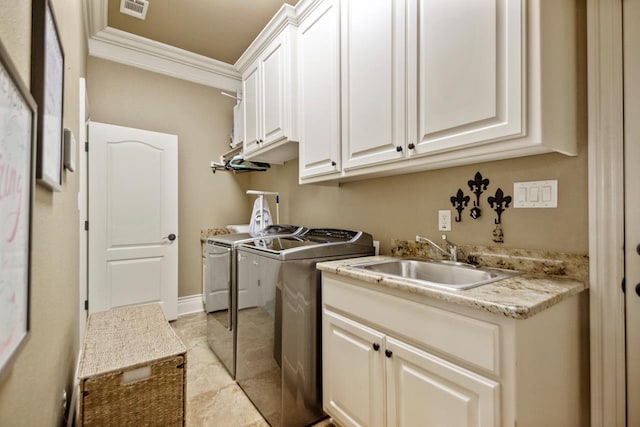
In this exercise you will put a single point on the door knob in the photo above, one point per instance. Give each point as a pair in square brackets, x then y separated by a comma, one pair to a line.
[376, 346]
[388, 353]
[171, 237]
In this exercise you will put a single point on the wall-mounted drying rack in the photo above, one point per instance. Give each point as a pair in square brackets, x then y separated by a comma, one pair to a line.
[261, 195]
[233, 161]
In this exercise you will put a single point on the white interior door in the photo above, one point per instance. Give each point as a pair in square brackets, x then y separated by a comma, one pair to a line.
[631, 11]
[133, 218]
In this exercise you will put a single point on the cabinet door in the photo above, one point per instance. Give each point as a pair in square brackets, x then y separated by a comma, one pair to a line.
[353, 379]
[251, 101]
[373, 81]
[424, 390]
[466, 68]
[273, 115]
[319, 91]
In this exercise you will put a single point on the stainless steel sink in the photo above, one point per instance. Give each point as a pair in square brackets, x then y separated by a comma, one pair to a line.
[441, 274]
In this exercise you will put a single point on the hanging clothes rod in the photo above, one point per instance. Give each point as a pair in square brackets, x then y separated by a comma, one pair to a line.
[237, 98]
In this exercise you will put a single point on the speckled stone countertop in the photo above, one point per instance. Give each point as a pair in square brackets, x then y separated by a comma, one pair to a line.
[205, 233]
[517, 297]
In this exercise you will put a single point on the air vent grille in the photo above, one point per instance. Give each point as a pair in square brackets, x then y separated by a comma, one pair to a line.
[135, 8]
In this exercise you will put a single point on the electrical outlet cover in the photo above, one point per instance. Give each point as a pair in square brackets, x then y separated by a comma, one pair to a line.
[444, 220]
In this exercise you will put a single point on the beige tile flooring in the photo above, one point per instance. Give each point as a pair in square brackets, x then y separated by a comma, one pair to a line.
[213, 398]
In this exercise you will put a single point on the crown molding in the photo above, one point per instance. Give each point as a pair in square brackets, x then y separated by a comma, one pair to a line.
[286, 15]
[129, 49]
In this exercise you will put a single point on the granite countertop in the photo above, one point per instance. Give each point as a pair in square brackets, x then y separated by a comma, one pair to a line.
[205, 233]
[517, 297]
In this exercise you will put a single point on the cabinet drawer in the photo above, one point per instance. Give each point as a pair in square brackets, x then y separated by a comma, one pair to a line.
[467, 339]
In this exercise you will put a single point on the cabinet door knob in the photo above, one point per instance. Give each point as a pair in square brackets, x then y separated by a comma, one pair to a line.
[398, 148]
[333, 163]
[411, 146]
[376, 346]
[638, 289]
[388, 353]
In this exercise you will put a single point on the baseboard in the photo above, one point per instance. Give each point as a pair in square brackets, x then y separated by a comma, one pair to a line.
[190, 304]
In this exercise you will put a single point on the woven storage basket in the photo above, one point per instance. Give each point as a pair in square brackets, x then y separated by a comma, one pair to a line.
[132, 370]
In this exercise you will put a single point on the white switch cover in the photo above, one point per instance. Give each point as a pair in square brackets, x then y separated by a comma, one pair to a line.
[536, 194]
[444, 220]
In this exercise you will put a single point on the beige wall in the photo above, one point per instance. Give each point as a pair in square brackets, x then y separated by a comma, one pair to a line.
[31, 392]
[405, 205]
[202, 119]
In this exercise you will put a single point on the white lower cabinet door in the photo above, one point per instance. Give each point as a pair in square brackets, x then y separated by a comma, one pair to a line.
[424, 390]
[353, 366]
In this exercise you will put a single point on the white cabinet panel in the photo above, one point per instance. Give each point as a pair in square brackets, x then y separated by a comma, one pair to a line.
[270, 97]
[251, 102]
[273, 80]
[469, 77]
[373, 81]
[353, 381]
[319, 91]
[424, 390]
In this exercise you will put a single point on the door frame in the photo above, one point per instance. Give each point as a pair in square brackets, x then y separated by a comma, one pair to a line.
[606, 212]
[83, 118]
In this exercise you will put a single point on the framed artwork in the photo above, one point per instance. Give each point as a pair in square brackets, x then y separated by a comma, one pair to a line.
[47, 87]
[18, 120]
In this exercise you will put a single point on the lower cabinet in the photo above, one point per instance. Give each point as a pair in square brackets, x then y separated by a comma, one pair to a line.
[365, 368]
[394, 358]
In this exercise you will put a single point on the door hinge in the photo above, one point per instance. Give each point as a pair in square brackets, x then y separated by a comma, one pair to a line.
[86, 304]
[86, 226]
[86, 146]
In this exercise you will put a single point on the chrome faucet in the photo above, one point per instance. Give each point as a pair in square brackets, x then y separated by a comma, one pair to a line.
[452, 253]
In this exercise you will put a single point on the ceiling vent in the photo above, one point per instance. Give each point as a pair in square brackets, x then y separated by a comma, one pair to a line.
[135, 8]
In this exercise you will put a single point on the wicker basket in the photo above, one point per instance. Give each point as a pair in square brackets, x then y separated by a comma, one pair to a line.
[132, 370]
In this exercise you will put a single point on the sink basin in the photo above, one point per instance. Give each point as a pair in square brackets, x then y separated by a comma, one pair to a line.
[441, 274]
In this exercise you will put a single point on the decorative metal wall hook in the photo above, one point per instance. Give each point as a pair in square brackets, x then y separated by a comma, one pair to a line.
[477, 186]
[459, 201]
[501, 203]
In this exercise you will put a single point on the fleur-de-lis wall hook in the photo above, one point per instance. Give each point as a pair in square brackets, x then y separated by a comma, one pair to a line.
[477, 185]
[459, 201]
[501, 203]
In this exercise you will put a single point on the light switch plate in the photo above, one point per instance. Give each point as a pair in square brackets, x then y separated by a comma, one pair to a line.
[444, 220]
[536, 194]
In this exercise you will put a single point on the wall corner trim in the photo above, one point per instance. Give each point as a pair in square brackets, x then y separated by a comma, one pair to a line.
[606, 212]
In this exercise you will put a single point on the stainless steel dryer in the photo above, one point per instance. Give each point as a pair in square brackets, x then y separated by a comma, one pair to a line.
[279, 349]
[222, 296]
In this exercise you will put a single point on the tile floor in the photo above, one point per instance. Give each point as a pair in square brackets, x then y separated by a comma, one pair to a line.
[213, 398]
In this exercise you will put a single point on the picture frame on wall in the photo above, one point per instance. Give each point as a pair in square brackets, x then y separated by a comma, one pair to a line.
[47, 87]
[18, 122]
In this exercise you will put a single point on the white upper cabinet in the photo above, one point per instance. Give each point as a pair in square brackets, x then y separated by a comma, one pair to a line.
[428, 84]
[467, 71]
[269, 89]
[319, 90]
[252, 133]
[373, 40]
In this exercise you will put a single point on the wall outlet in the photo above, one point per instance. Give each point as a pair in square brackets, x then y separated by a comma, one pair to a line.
[444, 220]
